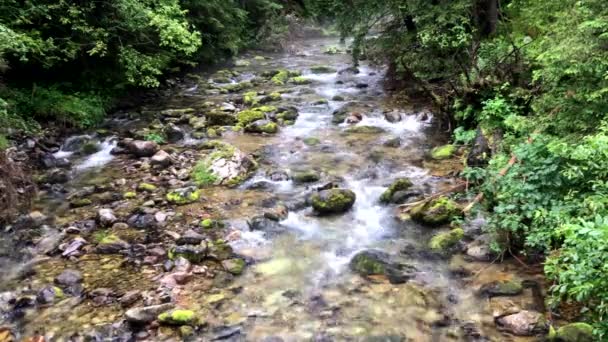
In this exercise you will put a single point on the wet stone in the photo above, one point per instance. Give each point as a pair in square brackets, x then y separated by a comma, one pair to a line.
[524, 323]
[142, 315]
[190, 237]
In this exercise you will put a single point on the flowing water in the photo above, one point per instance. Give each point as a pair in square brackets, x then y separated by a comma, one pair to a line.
[298, 285]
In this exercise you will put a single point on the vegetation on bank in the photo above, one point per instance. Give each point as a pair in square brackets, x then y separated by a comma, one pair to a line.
[524, 83]
[67, 61]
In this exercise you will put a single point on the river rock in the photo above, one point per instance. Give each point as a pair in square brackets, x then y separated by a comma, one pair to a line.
[190, 237]
[106, 217]
[111, 244]
[435, 212]
[575, 332]
[69, 277]
[161, 158]
[333, 201]
[309, 176]
[480, 249]
[444, 242]
[140, 148]
[400, 184]
[178, 317]
[374, 262]
[262, 126]
[524, 323]
[229, 165]
[49, 294]
[147, 314]
[502, 288]
[265, 224]
[443, 152]
[392, 117]
[173, 133]
[183, 196]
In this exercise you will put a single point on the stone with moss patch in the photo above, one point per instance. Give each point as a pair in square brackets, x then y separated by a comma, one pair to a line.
[211, 224]
[373, 263]
[183, 196]
[80, 202]
[262, 126]
[234, 266]
[365, 130]
[248, 116]
[129, 195]
[311, 141]
[220, 118]
[443, 241]
[400, 184]
[147, 187]
[443, 152]
[322, 69]
[300, 80]
[282, 76]
[178, 317]
[226, 165]
[333, 201]
[502, 288]
[436, 212]
[250, 98]
[309, 176]
[574, 332]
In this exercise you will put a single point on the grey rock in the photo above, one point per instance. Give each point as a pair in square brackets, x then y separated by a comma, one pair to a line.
[147, 314]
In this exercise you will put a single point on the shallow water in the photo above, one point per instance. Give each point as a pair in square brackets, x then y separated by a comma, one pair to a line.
[298, 285]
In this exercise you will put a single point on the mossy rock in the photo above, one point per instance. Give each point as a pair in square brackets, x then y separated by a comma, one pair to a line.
[365, 130]
[234, 266]
[300, 80]
[220, 118]
[129, 195]
[333, 201]
[178, 317]
[194, 254]
[248, 116]
[90, 148]
[436, 212]
[184, 196]
[502, 288]
[250, 98]
[373, 263]
[275, 96]
[287, 113]
[443, 152]
[311, 141]
[444, 241]
[262, 126]
[211, 224]
[575, 332]
[242, 63]
[338, 98]
[80, 202]
[237, 87]
[400, 184]
[147, 187]
[309, 176]
[322, 69]
[280, 77]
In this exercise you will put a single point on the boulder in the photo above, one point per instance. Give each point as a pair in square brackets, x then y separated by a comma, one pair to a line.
[400, 184]
[524, 323]
[68, 278]
[575, 332]
[377, 263]
[436, 212]
[226, 165]
[234, 266]
[221, 118]
[392, 117]
[141, 148]
[265, 224]
[309, 176]
[190, 237]
[501, 288]
[161, 158]
[173, 133]
[333, 201]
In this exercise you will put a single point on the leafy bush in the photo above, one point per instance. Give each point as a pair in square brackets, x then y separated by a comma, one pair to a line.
[157, 138]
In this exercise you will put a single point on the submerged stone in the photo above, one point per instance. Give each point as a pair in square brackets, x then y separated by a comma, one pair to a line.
[502, 288]
[373, 263]
[575, 332]
[234, 266]
[322, 69]
[333, 201]
[309, 176]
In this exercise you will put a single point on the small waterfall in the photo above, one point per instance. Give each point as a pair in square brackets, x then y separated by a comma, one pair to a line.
[99, 158]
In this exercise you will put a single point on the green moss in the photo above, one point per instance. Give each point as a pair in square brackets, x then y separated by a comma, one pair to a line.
[129, 195]
[234, 266]
[146, 187]
[311, 141]
[248, 116]
[202, 175]
[237, 87]
[333, 201]
[109, 239]
[89, 148]
[399, 185]
[364, 265]
[58, 292]
[443, 152]
[178, 317]
[275, 96]
[280, 78]
[80, 202]
[322, 69]
[436, 212]
[249, 98]
[575, 332]
[180, 199]
[308, 176]
[268, 127]
[300, 80]
[212, 133]
[443, 241]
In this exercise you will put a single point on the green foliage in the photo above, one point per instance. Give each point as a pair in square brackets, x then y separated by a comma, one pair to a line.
[464, 136]
[202, 176]
[157, 138]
